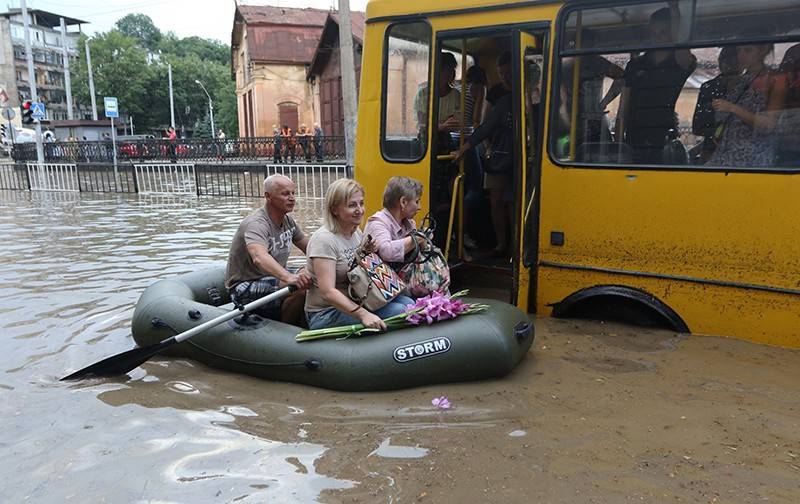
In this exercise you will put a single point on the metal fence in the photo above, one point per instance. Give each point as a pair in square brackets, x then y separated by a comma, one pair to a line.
[295, 150]
[201, 179]
[53, 177]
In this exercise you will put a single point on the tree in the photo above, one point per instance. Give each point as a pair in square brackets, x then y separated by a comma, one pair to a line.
[121, 68]
[141, 28]
[205, 49]
[129, 64]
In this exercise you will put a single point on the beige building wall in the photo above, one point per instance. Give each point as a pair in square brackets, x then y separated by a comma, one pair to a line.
[271, 85]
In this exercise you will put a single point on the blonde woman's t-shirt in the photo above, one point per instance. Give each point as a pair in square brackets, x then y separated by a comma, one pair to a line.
[327, 245]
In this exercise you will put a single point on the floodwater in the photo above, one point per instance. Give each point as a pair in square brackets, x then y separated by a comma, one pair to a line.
[596, 413]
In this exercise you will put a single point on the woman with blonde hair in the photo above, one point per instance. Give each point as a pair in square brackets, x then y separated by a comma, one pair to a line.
[330, 252]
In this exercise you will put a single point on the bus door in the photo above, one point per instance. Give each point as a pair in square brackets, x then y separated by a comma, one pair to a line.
[499, 263]
[529, 106]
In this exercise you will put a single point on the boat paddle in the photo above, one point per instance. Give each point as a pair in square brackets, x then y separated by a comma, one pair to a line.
[126, 361]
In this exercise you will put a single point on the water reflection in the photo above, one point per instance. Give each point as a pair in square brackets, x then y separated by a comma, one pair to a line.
[71, 269]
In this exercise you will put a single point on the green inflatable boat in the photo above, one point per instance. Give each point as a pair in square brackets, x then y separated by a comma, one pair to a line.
[470, 347]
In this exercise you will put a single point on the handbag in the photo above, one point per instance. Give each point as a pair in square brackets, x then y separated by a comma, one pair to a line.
[427, 270]
[372, 283]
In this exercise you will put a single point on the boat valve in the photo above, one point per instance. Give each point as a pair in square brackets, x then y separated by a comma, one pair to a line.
[313, 363]
[157, 322]
[522, 330]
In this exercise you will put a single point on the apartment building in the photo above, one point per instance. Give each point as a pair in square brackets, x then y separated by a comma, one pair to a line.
[48, 59]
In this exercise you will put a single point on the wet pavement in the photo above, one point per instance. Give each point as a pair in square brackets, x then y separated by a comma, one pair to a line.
[596, 413]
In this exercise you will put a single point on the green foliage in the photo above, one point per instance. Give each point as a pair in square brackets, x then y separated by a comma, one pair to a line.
[140, 27]
[130, 62]
[202, 128]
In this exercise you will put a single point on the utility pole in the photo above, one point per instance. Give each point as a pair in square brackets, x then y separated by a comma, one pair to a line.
[32, 81]
[210, 109]
[67, 80]
[131, 125]
[171, 100]
[91, 80]
[348, 80]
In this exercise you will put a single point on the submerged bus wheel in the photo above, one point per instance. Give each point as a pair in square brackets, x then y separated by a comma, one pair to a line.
[620, 304]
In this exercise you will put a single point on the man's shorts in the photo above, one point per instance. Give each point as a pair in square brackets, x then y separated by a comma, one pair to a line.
[248, 291]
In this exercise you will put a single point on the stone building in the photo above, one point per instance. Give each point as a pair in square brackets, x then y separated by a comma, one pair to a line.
[325, 73]
[271, 48]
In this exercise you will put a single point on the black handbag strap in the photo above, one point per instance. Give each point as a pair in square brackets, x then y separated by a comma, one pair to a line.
[418, 252]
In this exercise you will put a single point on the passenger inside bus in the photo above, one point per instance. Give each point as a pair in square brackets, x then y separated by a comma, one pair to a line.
[653, 82]
[789, 124]
[705, 122]
[593, 126]
[750, 112]
[449, 114]
[473, 169]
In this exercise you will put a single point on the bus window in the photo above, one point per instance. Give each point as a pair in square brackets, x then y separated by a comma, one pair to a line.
[669, 99]
[405, 99]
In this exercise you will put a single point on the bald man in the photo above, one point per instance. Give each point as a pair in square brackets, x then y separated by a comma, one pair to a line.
[261, 247]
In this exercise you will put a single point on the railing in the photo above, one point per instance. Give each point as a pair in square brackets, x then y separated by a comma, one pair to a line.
[53, 177]
[243, 180]
[309, 149]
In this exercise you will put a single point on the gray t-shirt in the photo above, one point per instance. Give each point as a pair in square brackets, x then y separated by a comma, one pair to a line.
[325, 244]
[258, 228]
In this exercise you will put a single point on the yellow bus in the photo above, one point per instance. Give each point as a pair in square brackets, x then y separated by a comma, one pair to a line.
[654, 174]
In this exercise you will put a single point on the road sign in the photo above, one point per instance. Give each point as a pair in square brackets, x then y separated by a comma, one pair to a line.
[110, 104]
[8, 113]
[37, 110]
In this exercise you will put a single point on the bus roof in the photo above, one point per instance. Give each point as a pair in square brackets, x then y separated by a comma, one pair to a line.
[382, 9]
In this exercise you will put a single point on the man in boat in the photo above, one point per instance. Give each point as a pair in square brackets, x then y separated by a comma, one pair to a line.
[260, 250]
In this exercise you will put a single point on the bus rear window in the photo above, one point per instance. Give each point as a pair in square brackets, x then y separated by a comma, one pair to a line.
[406, 62]
[674, 99]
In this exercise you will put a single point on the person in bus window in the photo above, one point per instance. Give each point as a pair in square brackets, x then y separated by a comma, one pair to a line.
[789, 124]
[704, 122]
[592, 102]
[750, 112]
[448, 117]
[653, 82]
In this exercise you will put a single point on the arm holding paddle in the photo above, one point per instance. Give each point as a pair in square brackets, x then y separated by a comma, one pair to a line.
[269, 266]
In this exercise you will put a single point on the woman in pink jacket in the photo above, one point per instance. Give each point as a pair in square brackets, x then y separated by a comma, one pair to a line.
[391, 226]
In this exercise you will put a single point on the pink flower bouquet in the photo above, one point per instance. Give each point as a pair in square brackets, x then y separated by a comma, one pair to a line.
[430, 309]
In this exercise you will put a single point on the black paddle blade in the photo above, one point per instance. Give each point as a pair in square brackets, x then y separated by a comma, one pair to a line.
[120, 363]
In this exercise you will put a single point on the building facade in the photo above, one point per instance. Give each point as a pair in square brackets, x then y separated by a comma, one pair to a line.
[48, 59]
[271, 48]
[325, 72]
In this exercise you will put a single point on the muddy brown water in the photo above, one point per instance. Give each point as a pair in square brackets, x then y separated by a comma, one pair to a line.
[596, 413]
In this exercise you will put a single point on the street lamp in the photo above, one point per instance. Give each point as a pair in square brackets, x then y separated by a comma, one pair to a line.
[210, 108]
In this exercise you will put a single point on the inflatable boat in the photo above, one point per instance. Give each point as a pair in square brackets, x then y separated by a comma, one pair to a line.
[471, 347]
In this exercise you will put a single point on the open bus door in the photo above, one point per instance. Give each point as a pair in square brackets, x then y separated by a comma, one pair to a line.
[510, 277]
[529, 106]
